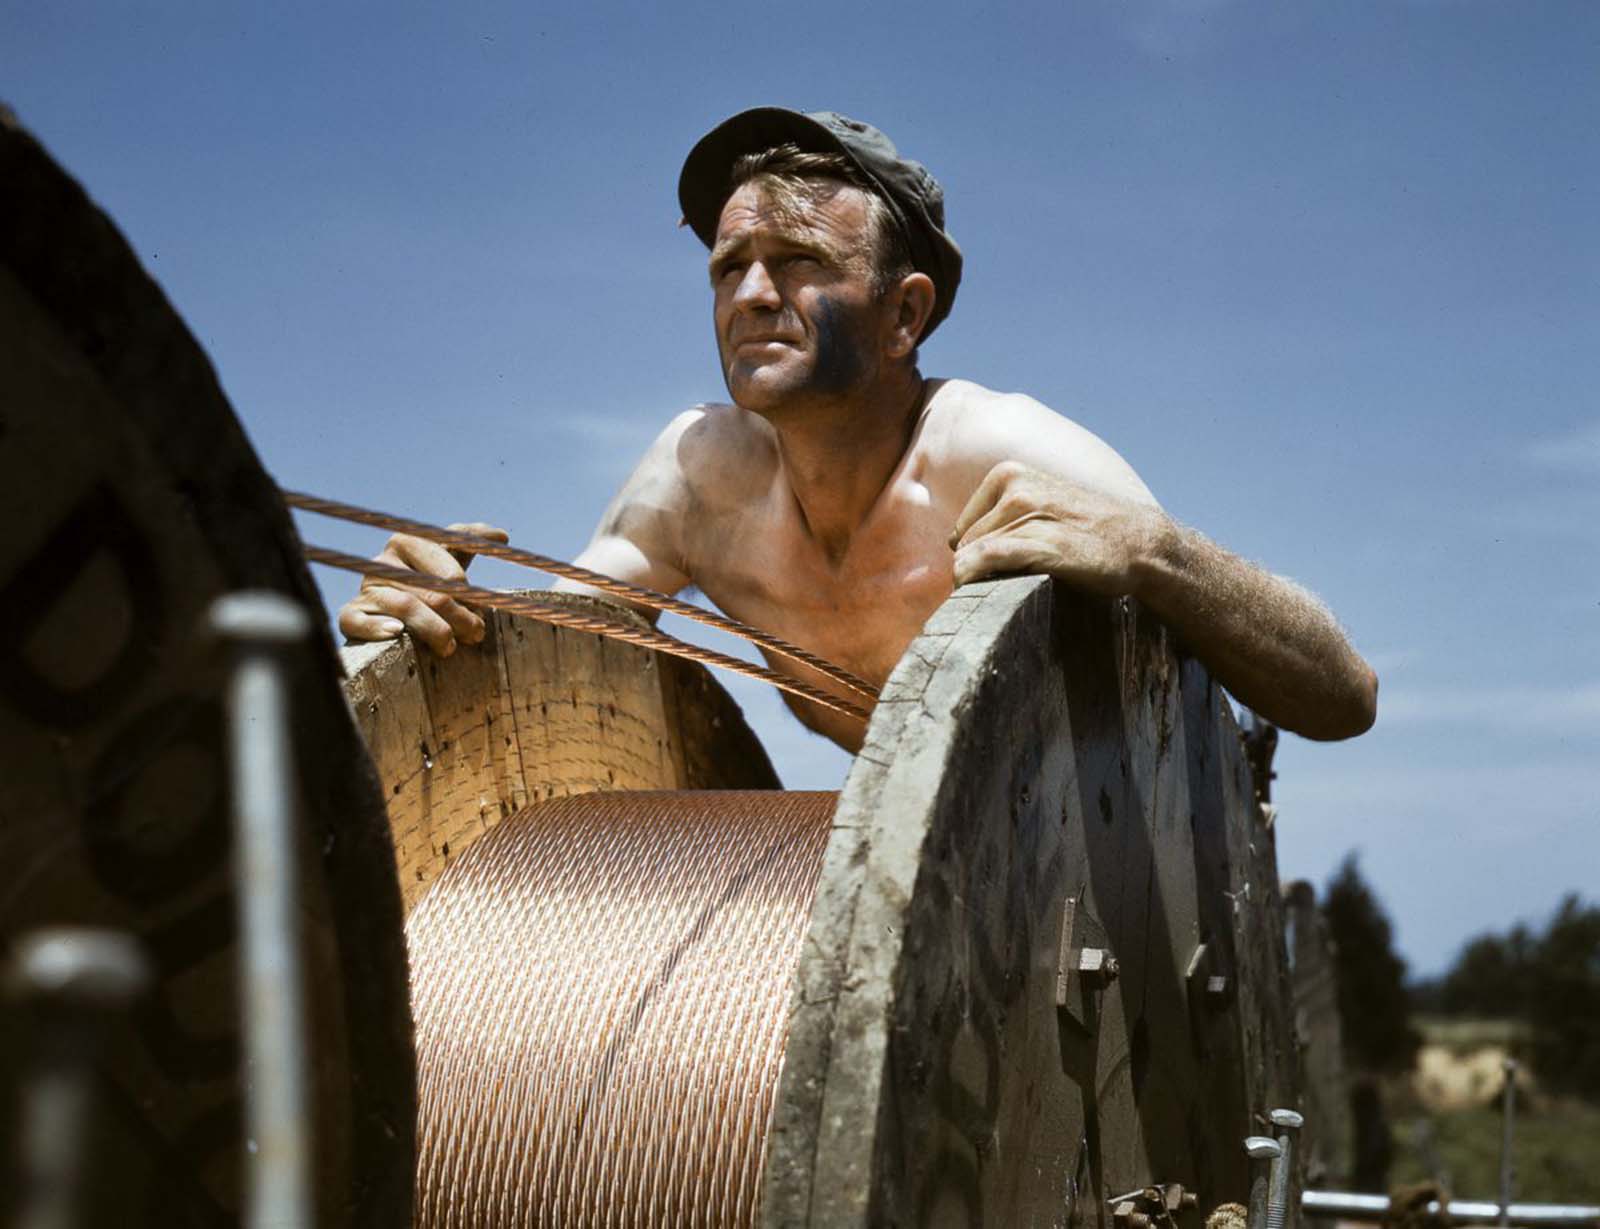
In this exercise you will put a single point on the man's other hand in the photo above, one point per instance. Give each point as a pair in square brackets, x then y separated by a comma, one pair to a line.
[1021, 520]
[381, 611]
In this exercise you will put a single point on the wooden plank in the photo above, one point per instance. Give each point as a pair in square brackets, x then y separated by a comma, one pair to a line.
[1327, 1136]
[391, 711]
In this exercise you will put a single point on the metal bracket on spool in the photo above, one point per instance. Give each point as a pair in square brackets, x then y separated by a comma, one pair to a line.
[1151, 1205]
[1208, 985]
[1084, 963]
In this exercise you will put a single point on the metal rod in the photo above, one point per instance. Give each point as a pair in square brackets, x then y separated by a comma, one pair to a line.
[1262, 1152]
[1281, 1180]
[1508, 1104]
[1373, 1208]
[258, 627]
[71, 984]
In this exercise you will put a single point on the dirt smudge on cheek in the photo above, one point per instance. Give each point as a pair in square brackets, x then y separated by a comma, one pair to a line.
[839, 364]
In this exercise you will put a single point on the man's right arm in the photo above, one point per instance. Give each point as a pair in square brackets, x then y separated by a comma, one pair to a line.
[638, 540]
[640, 535]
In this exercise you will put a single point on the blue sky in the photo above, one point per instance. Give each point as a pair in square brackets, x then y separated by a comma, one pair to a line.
[1325, 273]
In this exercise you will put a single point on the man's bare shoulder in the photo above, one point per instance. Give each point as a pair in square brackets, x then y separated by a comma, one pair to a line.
[970, 429]
[701, 467]
[705, 447]
[722, 453]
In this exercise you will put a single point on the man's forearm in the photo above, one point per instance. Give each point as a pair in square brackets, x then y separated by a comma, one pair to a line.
[1272, 644]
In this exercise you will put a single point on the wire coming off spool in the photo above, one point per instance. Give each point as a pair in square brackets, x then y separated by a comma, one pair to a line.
[600, 986]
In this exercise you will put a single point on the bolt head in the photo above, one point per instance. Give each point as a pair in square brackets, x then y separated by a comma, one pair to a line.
[258, 616]
[1287, 1119]
[1097, 964]
[96, 969]
[1260, 1148]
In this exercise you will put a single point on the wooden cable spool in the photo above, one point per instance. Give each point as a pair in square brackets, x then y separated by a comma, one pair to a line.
[1042, 776]
[131, 499]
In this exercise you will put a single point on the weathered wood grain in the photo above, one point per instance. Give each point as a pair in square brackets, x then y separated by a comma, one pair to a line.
[1033, 748]
[1327, 1134]
[535, 711]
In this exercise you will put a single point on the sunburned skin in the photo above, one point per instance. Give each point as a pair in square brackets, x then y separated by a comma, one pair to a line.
[745, 543]
[839, 497]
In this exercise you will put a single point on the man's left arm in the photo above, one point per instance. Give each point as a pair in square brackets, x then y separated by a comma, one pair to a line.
[1087, 520]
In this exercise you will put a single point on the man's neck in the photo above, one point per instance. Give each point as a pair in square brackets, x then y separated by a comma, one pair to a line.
[839, 455]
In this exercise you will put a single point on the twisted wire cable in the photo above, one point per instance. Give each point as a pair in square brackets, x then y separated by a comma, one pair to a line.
[571, 571]
[601, 985]
[553, 612]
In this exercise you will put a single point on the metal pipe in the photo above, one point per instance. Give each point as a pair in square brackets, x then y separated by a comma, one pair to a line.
[258, 628]
[1508, 1104]
[1347, 1205]
[71, 984]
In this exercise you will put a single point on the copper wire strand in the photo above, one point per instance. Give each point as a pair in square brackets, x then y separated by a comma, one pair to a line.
[601, 985]
[571, 571]
[552, 612]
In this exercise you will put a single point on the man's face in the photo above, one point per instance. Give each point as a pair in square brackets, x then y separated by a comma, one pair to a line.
[798, 317]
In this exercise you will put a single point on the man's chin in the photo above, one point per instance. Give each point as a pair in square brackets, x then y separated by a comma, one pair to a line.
[760, 389]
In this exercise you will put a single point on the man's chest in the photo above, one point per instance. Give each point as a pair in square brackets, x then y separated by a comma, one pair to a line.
[859, 611]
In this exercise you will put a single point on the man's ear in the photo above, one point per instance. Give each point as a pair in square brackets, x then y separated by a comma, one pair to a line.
[913, 304]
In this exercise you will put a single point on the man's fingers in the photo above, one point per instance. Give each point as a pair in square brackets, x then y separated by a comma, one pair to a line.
[424, 615]
[981, 502]
[436, 619]
[999, 555]
[478, 529]
[359, 624]
[421, 555]
[465, 623]
[991, 493]
[1006, 516]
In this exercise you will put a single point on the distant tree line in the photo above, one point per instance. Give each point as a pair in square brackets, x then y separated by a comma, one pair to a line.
[1374, 1017]
[1550, 980]
[1374, 1006]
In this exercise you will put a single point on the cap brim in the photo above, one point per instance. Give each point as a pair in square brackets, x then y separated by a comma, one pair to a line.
[703, 183]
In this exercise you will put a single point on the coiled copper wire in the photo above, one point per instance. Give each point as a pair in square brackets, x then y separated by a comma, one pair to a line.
[600, 987]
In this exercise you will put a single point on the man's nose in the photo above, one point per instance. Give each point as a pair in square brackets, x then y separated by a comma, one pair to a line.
[757, 289]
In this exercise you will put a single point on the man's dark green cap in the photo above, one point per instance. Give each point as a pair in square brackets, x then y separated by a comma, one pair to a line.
[914, 197]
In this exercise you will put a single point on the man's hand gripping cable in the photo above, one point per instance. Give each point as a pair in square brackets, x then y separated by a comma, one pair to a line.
[551, 612]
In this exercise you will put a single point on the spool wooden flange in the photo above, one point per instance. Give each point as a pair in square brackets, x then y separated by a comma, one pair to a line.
[1044, 780]
[131, 499]
[535, 712]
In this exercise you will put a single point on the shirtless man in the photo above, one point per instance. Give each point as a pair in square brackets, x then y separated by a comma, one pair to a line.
[842, 496]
